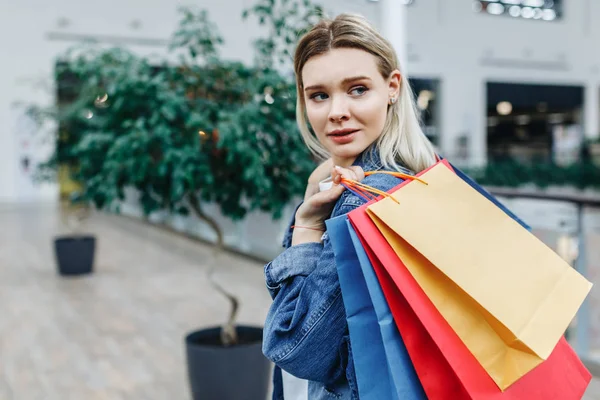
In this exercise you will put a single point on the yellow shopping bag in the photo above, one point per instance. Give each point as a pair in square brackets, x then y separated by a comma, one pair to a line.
[507, 295]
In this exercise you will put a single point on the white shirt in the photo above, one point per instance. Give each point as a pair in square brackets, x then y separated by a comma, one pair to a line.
[294, 388]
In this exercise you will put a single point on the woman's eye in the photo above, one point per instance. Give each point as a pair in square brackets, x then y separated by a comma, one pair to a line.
[359, 90]
[318, 96]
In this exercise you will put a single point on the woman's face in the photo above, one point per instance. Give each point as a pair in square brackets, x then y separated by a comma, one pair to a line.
[347, 100]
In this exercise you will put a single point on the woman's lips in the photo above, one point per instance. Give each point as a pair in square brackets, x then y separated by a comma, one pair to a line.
[343, 138]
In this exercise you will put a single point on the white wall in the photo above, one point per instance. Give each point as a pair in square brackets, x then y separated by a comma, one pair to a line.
[447, 40]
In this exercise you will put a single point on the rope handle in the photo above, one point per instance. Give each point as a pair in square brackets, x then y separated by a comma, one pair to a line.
[368, 193]
[397, 175]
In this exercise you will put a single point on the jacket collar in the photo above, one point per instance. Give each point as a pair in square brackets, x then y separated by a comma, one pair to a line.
[369, 160]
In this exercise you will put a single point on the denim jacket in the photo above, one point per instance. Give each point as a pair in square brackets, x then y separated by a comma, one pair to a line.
[305, 331]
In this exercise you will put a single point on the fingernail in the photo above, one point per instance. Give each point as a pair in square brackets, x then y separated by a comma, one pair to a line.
[338, 167]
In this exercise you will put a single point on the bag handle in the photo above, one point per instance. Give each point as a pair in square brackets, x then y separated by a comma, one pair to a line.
[367, 192]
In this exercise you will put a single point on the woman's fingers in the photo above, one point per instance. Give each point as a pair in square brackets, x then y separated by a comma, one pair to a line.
[358, 172]
[354, 173]
[317, 207]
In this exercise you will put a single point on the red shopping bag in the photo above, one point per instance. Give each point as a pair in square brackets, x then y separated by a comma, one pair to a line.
[445, 366]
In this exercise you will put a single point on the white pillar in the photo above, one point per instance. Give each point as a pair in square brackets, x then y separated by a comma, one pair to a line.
[463, 118]
[478, 124]
[591, 111]
[7, 154]
[394, 29]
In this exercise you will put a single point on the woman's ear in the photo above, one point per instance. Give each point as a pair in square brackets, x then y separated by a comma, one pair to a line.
[395, 82]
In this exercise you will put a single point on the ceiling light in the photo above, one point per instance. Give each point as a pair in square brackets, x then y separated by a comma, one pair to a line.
[514, 11]
[527, 12]
[504, 108]
[533, 3]
[425, 96]
[495, 8]
[549, 15]
[523, 119]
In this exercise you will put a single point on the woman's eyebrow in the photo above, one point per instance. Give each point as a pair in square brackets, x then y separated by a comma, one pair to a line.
[344, 82]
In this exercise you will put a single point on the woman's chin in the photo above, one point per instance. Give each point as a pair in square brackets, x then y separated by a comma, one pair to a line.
[346, 152]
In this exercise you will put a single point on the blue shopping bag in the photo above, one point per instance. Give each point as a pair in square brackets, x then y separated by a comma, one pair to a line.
[383, 367]
[407, 382]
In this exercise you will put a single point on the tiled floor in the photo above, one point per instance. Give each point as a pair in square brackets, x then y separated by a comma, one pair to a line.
[117, 334]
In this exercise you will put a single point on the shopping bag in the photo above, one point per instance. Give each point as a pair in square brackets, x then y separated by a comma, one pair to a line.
[468, 180]
[371, 362]
[403, 375]
[506, 294]
[445, 366]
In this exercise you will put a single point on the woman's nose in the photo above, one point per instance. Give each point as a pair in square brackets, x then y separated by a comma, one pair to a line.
[339, 110]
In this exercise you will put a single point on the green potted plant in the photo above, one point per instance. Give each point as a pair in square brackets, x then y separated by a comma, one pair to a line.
[204, 130]
[74, 251]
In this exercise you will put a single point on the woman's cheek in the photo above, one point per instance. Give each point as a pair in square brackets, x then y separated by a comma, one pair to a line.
[316, 121]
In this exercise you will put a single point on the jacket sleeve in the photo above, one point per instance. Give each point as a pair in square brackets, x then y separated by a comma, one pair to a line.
[305, 328]
[306, 323]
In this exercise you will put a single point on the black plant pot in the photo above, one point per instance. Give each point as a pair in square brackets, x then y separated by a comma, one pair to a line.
[75, 254]
[239, 372]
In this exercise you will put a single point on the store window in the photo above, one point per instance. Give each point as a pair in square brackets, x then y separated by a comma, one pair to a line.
[534, 123]
[426, 93]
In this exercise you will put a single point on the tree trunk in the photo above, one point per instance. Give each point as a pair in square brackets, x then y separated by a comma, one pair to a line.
[228, 331]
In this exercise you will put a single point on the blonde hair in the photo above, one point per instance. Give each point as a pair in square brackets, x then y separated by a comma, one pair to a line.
[402, 142]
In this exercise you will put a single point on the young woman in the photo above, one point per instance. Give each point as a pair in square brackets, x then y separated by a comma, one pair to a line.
[363, 118]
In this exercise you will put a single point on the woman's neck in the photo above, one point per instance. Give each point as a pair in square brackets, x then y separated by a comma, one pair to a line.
[343, 162]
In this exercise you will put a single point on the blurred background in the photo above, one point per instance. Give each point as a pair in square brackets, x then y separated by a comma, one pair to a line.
[137, 139]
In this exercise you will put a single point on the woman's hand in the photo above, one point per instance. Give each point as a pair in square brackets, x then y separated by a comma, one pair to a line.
[320, 173]
[318, 206]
